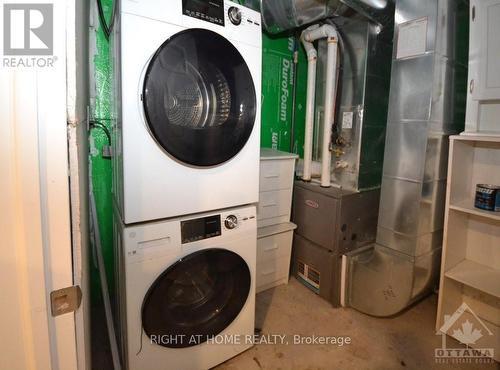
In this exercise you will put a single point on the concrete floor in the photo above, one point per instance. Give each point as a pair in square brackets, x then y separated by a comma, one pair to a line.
[403, 342]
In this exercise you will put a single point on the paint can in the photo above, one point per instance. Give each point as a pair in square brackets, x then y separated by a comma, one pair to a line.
[487, 197]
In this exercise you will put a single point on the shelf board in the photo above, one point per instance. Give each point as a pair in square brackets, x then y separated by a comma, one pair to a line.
[487, 137]
[477, 276]
[467, 206]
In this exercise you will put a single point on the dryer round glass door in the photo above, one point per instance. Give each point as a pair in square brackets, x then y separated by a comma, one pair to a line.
[199, 98]
[196, 298]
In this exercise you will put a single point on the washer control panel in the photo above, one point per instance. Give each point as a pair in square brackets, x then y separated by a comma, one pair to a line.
[200, 228]
[228, 223]
[207, 10]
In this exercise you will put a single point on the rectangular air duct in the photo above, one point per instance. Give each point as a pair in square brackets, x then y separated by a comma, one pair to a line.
[426, 105]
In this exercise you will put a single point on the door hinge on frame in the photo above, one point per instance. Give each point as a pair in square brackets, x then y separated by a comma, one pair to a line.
[65, 300]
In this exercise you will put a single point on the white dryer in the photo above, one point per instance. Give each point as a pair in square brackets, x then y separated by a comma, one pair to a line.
[186, 289]
[187, 134]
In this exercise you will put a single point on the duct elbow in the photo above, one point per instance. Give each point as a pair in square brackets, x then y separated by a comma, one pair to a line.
[383, 282]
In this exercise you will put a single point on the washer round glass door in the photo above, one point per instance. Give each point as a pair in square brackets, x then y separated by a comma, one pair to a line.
[196, 298]
[199, 98]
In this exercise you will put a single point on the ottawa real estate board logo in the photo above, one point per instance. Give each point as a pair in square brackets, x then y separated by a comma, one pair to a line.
[28, 35]
[466, 327]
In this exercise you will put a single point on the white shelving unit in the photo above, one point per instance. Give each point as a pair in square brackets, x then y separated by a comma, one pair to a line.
[470, 266]
[275, 231]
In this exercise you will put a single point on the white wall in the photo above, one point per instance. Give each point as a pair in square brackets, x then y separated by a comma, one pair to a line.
[23, 305]
[36, 253]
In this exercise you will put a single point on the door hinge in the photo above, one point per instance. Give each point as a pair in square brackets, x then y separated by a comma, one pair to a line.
[65, 300]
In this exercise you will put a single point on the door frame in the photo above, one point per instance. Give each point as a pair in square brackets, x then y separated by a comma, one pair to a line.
[37, 207]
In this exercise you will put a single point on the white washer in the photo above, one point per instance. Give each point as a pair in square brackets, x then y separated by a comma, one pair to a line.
[185, 286]
[188, 87]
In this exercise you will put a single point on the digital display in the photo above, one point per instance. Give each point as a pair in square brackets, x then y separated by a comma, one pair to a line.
[200, 228]
[207, 10]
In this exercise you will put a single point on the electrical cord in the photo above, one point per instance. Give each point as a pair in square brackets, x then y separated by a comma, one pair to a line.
[107, 29]
[97, 124]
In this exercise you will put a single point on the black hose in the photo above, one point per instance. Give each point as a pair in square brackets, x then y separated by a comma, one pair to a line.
[97, 124]
[107, 29]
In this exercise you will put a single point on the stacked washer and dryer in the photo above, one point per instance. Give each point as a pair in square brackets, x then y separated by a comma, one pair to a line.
[186, 178]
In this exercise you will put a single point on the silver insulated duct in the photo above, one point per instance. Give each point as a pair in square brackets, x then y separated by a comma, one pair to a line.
[426, 105]
[283, 15]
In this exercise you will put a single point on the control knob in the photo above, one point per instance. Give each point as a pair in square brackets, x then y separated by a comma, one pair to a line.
[234, 15]
[231, 222]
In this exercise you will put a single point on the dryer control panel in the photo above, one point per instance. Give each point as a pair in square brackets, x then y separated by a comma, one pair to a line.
[211, 11]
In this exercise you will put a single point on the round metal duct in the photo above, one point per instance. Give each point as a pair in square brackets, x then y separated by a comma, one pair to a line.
[279, 16]
[375, 4]
[283, 15]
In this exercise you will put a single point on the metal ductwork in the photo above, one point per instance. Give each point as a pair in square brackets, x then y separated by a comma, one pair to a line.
[283, 15]
[279, 16]
[426, 105]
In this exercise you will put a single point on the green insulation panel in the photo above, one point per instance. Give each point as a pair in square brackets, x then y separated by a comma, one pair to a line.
[101, 170]
[277, 91]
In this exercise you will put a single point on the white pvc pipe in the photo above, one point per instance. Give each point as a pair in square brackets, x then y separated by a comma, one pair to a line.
[330, 93]
[308, 36]
[312, 57]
